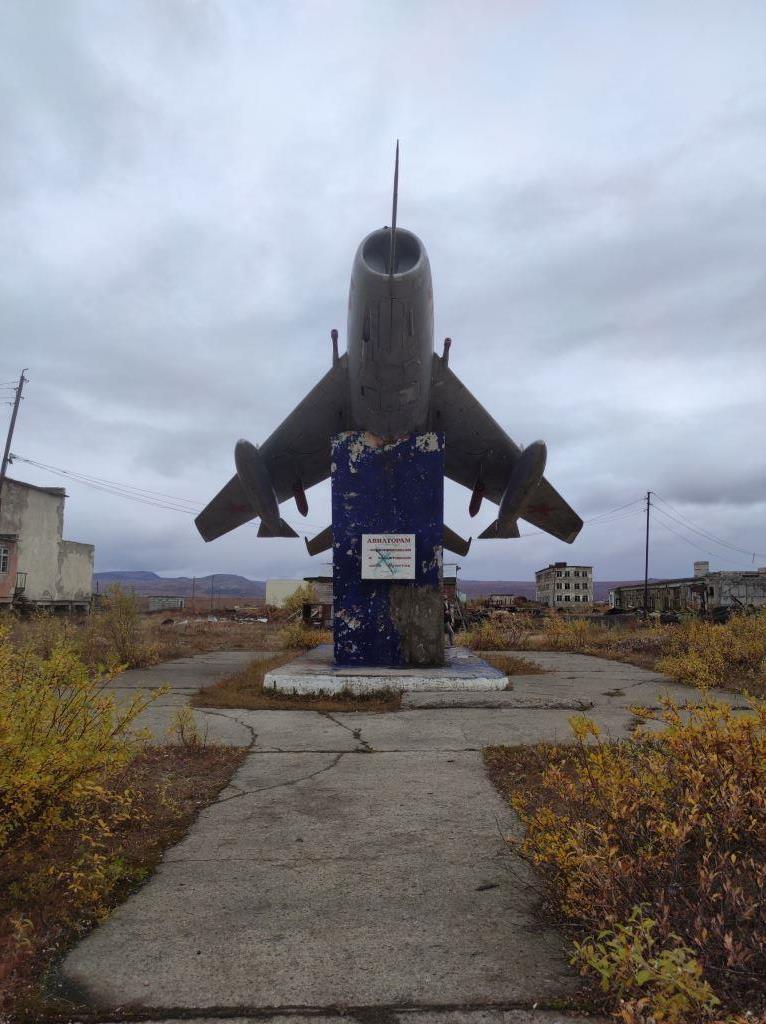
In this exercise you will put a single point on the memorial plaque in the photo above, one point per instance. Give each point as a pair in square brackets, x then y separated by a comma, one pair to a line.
[388, 556]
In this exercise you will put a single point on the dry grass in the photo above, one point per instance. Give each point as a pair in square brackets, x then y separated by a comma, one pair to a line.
[169, 785]
[157, 639]
[513, 664]
[244, 689]
[653, 856]
[731, 656]
[198, 636]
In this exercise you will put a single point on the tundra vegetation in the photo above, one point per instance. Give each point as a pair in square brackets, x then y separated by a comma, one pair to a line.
[652, 852]
[245, 689]
[86, 807]
[696, 652]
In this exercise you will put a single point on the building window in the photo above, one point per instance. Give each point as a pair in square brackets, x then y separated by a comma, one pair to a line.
[4, 557]
[567, 597]
[567, 586]
[558, 572]
[567, 573]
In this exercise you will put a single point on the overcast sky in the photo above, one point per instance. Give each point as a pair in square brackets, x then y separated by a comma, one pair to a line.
[183, 186]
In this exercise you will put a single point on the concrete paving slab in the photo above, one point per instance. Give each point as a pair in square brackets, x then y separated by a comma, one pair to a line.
[184, 677]
[388, 1015]
[316, 671]
[496, 699]
[356, 860]
[380, 879]
[491, 1016]
[188, 674]
[602, 682]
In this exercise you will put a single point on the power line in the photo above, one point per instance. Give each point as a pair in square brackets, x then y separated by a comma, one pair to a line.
[686, 540]
[598, 520]
[142, 496]
[102, 481]
[619, 508]
[189, 506]
[681, 520]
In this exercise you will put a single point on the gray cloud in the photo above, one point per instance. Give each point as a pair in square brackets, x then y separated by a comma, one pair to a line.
[183, 185]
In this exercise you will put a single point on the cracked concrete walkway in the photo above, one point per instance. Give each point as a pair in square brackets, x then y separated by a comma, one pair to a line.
[355, 861]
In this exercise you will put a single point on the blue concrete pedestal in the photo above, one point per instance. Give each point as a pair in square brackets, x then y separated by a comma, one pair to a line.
[398, 489]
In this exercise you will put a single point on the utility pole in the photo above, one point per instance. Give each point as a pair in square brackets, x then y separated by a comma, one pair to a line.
[646, 558]
[9, 438]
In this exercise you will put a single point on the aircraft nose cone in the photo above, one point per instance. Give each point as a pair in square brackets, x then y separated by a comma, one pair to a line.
[243, 449]
[537, 450]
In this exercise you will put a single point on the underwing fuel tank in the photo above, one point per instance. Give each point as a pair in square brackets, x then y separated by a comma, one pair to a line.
[259, 490]
[524, 480]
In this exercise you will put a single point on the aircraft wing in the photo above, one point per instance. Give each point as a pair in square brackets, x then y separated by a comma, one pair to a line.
[297, 452]
[477, 447]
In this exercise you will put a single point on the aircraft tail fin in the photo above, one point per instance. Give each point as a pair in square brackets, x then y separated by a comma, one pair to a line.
[321, 542]
[284, 530]
[455, 543]
[392, 255]
[494, 531]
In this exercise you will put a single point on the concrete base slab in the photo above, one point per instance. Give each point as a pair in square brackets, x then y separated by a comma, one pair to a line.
[316, 671]
[353, 879]
[356, 868]
[384, 1015]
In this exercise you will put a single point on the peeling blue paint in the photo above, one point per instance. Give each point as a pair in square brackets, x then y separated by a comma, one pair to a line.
[392, 488]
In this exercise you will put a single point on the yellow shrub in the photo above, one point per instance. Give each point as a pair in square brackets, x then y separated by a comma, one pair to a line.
[62, 737]
[114, 633]
[707, 654]
[504, 633]
[305, 593]
[569, 635]
[675, 820]
[631, 964]
[296, 636]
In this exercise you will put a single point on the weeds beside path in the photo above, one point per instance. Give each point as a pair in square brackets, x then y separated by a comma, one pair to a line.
[653, 852]
[697, 653]
[85, 808]
[245, 689]
[42, 914]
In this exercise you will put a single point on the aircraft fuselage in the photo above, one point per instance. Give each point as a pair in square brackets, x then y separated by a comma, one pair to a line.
[390, 338]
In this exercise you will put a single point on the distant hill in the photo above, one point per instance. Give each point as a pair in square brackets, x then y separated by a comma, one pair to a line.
[148, 583]
[231, 585]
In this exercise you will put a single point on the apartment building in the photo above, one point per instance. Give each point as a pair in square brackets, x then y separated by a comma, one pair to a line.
[561, 585]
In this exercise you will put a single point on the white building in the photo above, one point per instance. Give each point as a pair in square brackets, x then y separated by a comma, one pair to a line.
[561, 585]
[36, 565]
[278, 591]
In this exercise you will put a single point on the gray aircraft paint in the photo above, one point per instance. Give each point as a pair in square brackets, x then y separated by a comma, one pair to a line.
[390, 336]
[391, 383]
[525, 478]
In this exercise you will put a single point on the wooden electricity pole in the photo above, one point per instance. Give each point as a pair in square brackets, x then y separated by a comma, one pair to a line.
[646, 558]
[9, 438]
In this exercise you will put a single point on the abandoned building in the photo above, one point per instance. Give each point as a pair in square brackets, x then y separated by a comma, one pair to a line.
[701, 592]
[561, 585]
[38, 567]
[165, 603]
